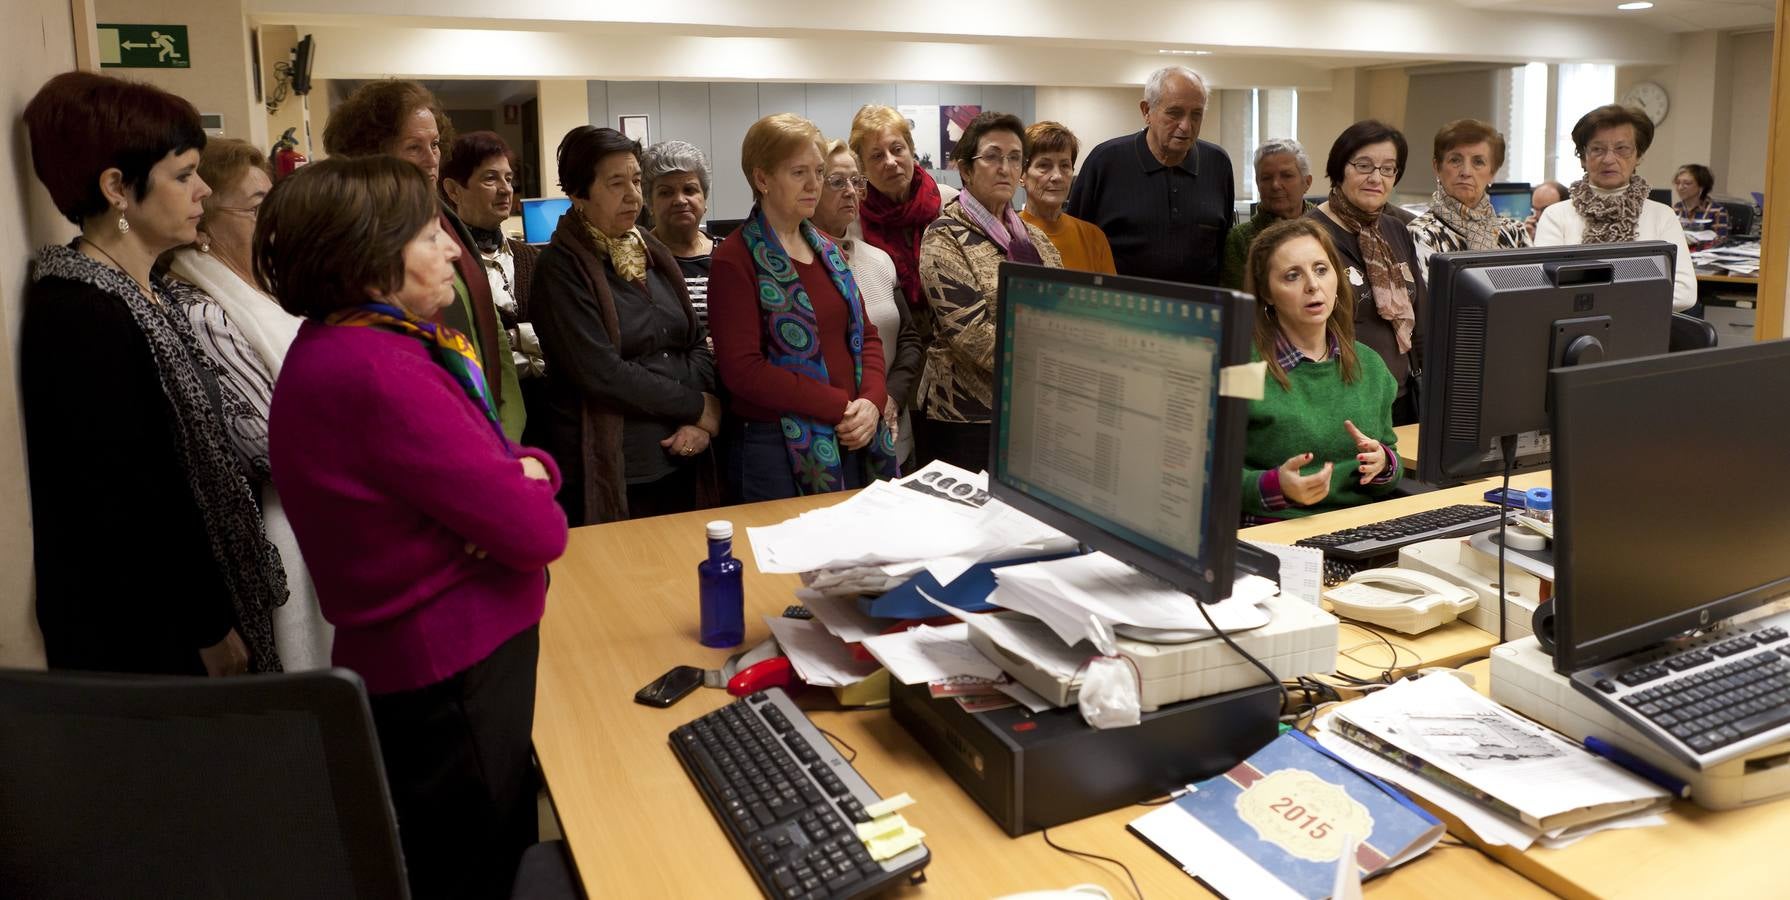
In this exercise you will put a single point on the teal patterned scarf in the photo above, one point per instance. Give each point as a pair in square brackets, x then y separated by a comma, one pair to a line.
[791, 342]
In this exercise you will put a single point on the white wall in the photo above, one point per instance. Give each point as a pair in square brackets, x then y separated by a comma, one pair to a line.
[1749, 116]
[220, 78]
[43, 45]
[1096, 114]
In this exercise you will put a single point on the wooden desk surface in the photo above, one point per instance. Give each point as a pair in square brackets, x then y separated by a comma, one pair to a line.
[623, 609]
[1730, 279]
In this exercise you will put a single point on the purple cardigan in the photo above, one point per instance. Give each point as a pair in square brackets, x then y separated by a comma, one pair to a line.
[388, 472]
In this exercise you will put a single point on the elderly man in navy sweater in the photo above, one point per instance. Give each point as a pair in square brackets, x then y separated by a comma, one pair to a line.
[1162, 195]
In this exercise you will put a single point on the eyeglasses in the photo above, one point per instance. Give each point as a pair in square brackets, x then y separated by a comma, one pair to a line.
[837, 182]
[1620, 151]
[1366, 166]
[994, 160]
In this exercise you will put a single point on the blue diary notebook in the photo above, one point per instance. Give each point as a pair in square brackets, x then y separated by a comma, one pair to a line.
[1276, 824]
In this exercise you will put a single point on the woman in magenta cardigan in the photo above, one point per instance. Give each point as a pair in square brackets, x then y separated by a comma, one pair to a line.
[426, 530]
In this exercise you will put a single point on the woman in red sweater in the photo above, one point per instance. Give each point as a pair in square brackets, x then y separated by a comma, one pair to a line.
[426, 530]
[802, 366]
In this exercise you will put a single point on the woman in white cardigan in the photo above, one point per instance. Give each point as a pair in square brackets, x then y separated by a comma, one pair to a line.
[1610, 203]
[246, 333]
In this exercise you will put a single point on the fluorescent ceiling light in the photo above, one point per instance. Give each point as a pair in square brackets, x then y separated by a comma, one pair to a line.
[1185, 52]
[1634, 6]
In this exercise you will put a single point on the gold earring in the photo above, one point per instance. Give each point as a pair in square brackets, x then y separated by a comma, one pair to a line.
[203, 243]
[124, 224]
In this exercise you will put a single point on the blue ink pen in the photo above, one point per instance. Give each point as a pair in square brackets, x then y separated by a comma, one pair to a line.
[1639, 767]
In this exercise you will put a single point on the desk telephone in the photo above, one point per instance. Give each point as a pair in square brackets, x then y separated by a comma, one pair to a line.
[1400, 599]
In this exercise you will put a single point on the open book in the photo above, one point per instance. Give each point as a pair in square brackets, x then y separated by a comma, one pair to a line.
[1447, 732]
[1282, 823]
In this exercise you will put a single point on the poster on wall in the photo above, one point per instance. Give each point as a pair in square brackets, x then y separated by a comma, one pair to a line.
[924, 122]
[634, 128]
[953, 120]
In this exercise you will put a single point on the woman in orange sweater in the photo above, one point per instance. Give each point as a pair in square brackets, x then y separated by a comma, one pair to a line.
[1049, 170]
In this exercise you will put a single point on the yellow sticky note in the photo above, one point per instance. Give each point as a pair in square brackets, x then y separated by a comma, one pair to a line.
[879, 827]
[888, 805]
[1243, 381]
[895, 844]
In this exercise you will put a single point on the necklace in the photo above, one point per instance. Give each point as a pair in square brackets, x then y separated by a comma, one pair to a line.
[146, 289]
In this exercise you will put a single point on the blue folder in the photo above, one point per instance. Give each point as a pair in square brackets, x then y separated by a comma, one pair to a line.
[969, 592]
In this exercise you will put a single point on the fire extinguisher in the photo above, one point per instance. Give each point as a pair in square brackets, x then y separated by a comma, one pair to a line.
[286, 158]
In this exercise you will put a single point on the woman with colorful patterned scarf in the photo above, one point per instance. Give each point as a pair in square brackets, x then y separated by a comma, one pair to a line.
[428, 532]
[631, 402]
[802, 364]
[1379, 257]
[960, 262]
[1610, 203]
[1468, 155]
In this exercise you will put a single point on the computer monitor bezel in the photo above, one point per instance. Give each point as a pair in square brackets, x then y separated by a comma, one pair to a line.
[1574, 387]
[1437, 436]
[1213, 582]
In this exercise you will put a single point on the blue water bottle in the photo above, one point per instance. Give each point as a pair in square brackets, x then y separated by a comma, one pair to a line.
[723, 592]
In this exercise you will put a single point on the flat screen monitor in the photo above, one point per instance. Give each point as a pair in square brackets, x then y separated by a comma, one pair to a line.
[1108, 423]
[540, 216]
[720, 228]
[1511, 199]
[1670, 510]
[1498, 320]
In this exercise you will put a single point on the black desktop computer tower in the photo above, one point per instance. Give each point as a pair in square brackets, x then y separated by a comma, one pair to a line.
[1035, 770]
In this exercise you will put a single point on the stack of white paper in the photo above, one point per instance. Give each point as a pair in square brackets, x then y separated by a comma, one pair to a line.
[939, 519]
[819, 657]
[1082, 597]
[1460, 736]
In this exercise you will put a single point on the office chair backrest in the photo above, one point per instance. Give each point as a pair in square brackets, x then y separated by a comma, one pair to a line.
[1740, 218]
[1690, 333]
[125, 786]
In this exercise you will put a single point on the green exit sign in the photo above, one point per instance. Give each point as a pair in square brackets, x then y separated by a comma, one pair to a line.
[144, 47]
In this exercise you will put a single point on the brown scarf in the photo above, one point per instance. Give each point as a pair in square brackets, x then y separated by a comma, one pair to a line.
[626, 253]
[1609, 218]
[1477, 225]
[1391, 298]
[605, 478]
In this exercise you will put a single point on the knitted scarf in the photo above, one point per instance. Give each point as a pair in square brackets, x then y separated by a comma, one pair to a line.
[1477, 225]
[1390, 297]
[450, 348]
[1609, 218]
[248, 563]
[895, 227]
[792, 342]
[1008, 232]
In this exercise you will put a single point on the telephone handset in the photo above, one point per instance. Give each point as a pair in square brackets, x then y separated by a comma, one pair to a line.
[1400, 599]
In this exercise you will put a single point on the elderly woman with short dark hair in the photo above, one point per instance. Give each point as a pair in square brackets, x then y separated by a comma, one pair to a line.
[676, 179]
[631, 398]
[1379, 257]
[149, 549]
[428, 531]
[1696, 210]
[403, 119]
[479, 181]
[1468, 155]
[960, 261]
[1610, 203]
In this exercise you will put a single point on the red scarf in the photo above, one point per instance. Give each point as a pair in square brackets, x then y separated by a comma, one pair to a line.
[896, 227]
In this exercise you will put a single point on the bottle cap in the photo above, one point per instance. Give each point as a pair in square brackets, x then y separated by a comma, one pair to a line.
[720, 530]
[1540, 499]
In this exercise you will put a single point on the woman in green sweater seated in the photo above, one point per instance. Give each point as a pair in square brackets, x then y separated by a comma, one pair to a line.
[1321, 436]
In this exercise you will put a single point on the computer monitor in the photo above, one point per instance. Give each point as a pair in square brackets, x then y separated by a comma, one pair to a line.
[540, 216]
[1498, 320]
[1108, 423]
[720, 228]
[1669, 510]
[1511, 199]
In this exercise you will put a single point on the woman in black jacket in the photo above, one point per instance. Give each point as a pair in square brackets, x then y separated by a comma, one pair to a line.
[150, 551]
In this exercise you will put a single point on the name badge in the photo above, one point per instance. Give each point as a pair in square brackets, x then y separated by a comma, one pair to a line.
[1405, 270]
[1355, 277]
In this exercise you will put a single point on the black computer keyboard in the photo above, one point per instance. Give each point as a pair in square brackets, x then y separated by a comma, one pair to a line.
[1384, 539]
[1706, 698]
[787, 800]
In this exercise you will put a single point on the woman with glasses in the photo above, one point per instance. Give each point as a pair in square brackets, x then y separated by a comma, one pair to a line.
[1049, 170]
[246, 333]
[960, 260]
[903, 198]
[1378, 255]
[1610, 203]
[802, 365]
[841, 196]
[1696, 210]
[1468, 153]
